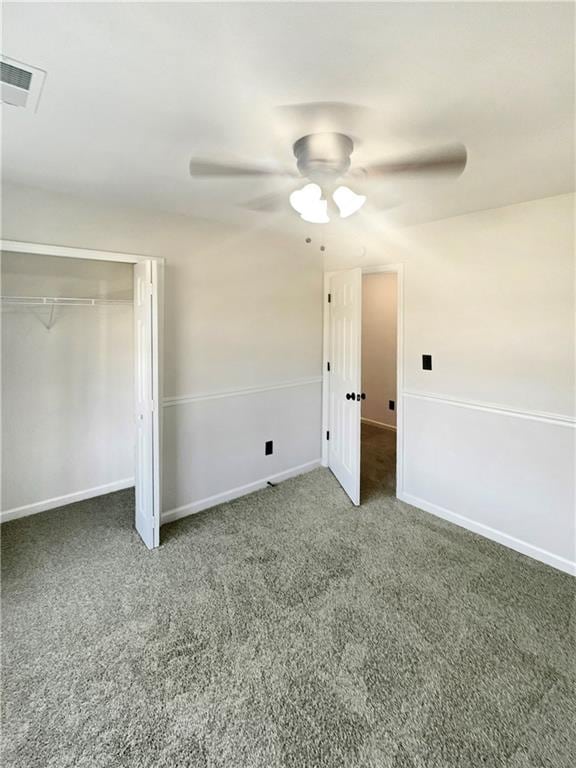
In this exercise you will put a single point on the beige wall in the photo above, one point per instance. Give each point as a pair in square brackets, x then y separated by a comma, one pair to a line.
[243, 311]
[490, 295]
[379, 309]
[488, 434]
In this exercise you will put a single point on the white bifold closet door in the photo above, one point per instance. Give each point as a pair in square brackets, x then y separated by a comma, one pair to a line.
[146, 402]
[345, 379]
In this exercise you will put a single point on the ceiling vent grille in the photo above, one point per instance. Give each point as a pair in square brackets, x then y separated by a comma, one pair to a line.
[15, 76]
[21, 84]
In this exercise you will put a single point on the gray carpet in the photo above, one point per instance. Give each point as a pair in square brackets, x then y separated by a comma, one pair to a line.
[285, 629]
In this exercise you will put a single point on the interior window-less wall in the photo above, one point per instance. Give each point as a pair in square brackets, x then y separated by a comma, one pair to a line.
[67, 389]
[488, 433]
[242, 355]
[379, 311]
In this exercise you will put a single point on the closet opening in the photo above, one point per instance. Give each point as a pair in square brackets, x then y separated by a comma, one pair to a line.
[80, 386]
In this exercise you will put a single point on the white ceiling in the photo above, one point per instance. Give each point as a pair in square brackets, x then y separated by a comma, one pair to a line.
[134, 89]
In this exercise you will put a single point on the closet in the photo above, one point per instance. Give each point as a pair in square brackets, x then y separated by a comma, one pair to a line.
[67, 380]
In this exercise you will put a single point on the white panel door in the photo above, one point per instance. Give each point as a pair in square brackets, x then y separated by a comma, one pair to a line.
[147, 422]
[345, 313]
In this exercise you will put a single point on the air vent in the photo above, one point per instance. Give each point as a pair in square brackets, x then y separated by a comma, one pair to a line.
[21, 83]
[15, 76]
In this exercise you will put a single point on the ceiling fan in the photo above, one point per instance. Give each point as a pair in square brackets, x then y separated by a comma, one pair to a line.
[322, 159]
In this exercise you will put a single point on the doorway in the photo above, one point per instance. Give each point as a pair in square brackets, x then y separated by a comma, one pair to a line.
[379, 382]
[362, 392]
[75, 323]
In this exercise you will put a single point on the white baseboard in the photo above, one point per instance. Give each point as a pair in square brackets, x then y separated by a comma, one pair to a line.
[61, 501]
[234, 493]
[379, 424]
[561, 563]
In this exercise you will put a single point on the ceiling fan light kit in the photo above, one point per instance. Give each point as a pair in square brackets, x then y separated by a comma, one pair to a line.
[323, 158]
[348, 202]
[309, 204]
[313, 207]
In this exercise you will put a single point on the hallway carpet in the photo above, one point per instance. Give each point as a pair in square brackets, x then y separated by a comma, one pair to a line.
[286, 629]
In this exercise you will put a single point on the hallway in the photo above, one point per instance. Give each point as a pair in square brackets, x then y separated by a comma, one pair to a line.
[378, 463]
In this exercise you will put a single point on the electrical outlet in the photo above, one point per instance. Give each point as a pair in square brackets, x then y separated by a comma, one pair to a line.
[269, 448]
[426, 362]
[391, 405]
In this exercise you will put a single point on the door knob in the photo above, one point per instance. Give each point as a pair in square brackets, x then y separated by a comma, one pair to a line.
[362, 396]
[351, 396]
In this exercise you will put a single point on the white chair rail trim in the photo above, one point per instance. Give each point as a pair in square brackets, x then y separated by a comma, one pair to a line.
[549, 418]
[195, 398]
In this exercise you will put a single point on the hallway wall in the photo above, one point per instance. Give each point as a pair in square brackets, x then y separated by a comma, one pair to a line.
[379, 308]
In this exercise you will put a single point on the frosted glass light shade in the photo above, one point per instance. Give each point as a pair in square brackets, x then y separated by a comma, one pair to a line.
[348, 202]
[309, 204]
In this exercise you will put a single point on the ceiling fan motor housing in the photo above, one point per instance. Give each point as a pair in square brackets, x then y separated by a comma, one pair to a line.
[322, 156]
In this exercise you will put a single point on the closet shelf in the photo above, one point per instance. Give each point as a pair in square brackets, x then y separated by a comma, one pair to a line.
[62, 301]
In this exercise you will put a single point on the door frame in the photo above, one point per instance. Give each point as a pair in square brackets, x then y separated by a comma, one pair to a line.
[399, 270]
[44, 249]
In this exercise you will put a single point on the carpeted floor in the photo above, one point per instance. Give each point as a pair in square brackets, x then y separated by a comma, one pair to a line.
[285, 629]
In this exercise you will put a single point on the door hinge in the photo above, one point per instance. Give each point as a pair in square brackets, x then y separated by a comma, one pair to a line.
[327, 366]
[329, 298]
[328, 435]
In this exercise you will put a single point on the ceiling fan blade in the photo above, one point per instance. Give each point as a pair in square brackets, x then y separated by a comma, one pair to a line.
[214, 169]
[277, 201]
[274, 201]
[386, 204]
[449, 160]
